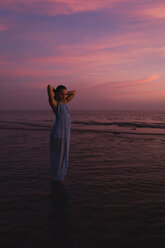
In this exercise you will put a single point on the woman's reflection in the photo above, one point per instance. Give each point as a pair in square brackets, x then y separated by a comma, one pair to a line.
[61, 219]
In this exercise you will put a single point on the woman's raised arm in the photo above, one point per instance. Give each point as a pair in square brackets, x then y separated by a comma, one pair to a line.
[70, 96]
[52, 101]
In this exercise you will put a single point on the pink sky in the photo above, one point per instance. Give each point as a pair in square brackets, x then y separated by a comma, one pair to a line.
[112, 52]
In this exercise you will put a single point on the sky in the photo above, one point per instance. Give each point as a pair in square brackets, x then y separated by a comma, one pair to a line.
[112, 52]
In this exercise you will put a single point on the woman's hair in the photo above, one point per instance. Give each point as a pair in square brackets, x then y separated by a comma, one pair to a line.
[60, 87]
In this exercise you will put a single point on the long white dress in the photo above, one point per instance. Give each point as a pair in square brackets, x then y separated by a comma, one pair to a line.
[59, 143]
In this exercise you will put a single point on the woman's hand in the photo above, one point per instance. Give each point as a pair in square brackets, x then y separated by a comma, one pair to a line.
[70, 96]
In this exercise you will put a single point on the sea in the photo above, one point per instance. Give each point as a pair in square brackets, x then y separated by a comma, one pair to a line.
[113, 195]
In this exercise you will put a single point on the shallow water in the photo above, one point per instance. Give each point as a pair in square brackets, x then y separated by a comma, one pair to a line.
[113, 195]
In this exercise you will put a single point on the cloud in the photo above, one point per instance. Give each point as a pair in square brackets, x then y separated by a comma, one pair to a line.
[156, 11]
[31, 72]
[146, 90]
[91, 60]
[122, 8]
[145, 95]
[56, 7]
[4, 27]
[127, 90]
[128, 83]
[102, 57]
[3, 61]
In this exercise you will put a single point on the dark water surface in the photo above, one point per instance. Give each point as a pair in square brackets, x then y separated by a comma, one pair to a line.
[114, 192]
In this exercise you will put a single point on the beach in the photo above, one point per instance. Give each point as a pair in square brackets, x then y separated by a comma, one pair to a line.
[113, 194]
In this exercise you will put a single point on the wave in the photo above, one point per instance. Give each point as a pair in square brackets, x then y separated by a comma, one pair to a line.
[22, 128]
[122, 124]
[82, 131]
[24, 124]
[114, 132]
[94, 123]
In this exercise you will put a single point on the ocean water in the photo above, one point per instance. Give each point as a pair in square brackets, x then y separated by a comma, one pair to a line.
[114, 191]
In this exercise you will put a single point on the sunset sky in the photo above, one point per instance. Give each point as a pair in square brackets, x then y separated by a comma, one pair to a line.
[112, 52]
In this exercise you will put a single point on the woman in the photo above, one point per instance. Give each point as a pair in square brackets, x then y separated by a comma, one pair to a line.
[60, 133]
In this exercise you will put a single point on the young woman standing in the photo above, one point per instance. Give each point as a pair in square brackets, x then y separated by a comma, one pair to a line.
[60, 132]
